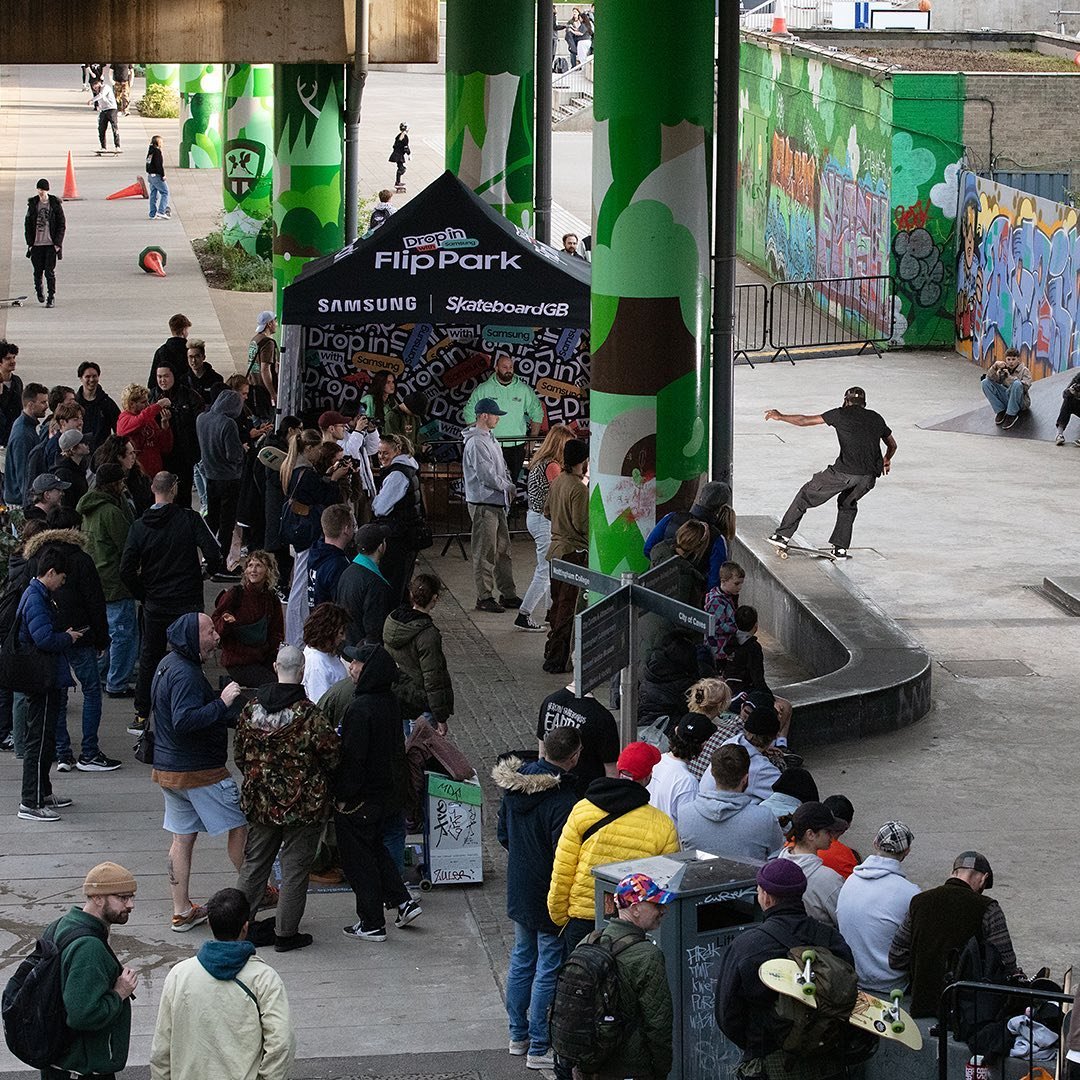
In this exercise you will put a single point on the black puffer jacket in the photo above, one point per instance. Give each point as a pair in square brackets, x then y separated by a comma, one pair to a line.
[670, 671]
[81, 599]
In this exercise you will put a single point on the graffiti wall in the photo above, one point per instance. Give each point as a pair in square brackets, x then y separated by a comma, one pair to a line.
[1017, 277]
[814, 154]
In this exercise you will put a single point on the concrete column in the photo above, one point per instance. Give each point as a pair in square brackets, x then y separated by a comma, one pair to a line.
[309, 214]
[200, 116]
[490, 101]
[248, 157]
[652, 151]
[163, 74]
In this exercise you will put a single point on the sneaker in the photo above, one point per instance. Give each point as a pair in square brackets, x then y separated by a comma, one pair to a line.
[65, 762]
[7, 744]
[360, 934]
[519, 1047]
[407, 913]
[490, 605]
[780, 541]
[1000, 418]
[194, 916]
[294, 941]
[840, 553]
[333, 876]
[1060, 440]
[1011, 422]
[524, 622]
[127, 692]
[1076, 441]
[167, 215]
[510, 601]
[270, 897]
[57, 802]
[261, 932]
[51, 302]
[40, 297]
[545, 1060]
[39, 813]
[96, 763]
[137, 726]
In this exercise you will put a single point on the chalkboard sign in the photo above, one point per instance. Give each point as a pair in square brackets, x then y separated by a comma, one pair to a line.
[453, 831]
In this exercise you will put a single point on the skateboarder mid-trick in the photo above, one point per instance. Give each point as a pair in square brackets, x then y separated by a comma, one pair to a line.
[860, 431]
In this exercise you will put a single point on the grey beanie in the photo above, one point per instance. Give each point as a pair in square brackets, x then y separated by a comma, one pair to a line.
[713, 495]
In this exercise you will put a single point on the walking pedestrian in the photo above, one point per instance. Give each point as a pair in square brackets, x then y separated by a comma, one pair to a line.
[44, 228]
[122, 85]
[155, 180]
[399, 152]
[567, 508]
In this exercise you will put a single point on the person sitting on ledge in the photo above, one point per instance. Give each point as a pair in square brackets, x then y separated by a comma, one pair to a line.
[1070, 407]
[1006, 388]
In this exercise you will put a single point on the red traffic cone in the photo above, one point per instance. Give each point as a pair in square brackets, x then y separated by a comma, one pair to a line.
[779, 22]
[71, 192]
[152, 260]
[136, 190]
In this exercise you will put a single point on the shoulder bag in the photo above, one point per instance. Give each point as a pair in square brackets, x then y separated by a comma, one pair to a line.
[24, 668]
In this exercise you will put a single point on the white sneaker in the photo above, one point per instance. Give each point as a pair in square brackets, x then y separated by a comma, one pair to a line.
[541, 1061]
[519, 1047]
[40, 813]
[358, 932]
[1060, 440]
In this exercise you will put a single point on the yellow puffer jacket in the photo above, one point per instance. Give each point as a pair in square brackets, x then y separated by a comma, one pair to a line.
[640, 832]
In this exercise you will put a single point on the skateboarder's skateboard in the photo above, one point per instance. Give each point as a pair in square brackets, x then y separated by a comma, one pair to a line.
[113, 152]
[884, 1019]
[12, 301]
[783, 550]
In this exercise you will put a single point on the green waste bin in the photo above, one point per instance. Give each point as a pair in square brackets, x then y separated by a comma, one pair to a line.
[715, 900]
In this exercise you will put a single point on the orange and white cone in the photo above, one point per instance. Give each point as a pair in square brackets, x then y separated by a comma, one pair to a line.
[135, 190]
[71, 191]
[152, 260]
[779, 22]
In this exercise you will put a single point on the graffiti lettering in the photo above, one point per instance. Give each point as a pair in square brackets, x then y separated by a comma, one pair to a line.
[794, 171]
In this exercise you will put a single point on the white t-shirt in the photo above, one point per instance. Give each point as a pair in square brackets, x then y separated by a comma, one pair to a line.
[672, 783]
[321, 671]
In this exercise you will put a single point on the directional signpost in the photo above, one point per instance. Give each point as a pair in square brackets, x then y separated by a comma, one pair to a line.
[606, 632]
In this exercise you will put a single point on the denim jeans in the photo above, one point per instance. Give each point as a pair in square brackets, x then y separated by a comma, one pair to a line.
[84, 667]
[200, 486]
[1007, 400]
[530, 985]
[159, 194]
[117, 665]
[538, 593]
[393, 838]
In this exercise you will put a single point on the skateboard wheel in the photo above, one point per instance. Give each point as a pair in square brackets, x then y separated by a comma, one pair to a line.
[896, 995]
[809, 956]
[898, 1029]
[808, 989]
[783, 554]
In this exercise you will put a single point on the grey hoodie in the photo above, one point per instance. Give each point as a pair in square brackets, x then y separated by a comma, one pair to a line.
[731, 824]
[483, 467]
[219, 438]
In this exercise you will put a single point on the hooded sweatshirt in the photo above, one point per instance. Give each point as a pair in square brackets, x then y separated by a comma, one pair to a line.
[106, 522]
[822, 886]
[413, 640]
[871, 906]
[219, 438]
[730, 824]
[483, 468]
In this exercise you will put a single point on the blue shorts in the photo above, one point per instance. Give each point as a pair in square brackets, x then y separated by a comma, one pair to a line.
[213, 809]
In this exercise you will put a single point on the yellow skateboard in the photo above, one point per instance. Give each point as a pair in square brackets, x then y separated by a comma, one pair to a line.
[884, 1019]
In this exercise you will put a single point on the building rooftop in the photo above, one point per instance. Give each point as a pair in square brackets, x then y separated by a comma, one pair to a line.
[973, 60]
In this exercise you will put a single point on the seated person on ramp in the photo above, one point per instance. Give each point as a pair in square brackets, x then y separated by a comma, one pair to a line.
[1070, 407]
[1005, 385]
[860, 432]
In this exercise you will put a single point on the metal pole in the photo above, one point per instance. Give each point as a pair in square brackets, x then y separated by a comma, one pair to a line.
[354, 100]
[545, 57]
[725, 221]
[628, 703]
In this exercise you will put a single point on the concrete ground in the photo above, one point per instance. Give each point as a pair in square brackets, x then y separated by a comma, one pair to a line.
[951, 544]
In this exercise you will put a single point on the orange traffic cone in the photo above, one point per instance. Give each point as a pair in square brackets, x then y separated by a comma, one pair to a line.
[135, 190]
[71, 192]
[779, 22]
[152, 260]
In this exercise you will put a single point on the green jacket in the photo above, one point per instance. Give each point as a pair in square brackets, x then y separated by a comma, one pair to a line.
[645, 996]
[423, 685]
[518, 401]
[100, 1020]
[105, 524]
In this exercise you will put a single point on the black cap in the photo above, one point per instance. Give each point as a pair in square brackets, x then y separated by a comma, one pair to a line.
[812, 815]
[369, 537]
[973, 860]
[841, 807]
[362, 651]
[854, 395]
[695, 727]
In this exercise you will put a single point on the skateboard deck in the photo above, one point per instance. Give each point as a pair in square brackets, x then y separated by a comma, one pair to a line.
[884, 1019]
[111, 152]
[12, 301]
[813, 553]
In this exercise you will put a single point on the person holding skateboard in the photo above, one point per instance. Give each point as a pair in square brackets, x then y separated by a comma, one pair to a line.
[860, 431]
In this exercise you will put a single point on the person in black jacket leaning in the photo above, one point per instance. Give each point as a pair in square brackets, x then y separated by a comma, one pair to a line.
[362, 590]
[537, 799]
[160, 567]
[369, 789]
[172, 352]
[44, 227]
[745, 1007]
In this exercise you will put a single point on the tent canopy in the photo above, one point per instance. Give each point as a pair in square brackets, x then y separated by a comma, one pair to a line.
[445, 257]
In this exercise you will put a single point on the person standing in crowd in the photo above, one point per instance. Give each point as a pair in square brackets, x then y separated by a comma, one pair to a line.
[185, 406]
[97, 989]
[108, 112]
[122, 85]
[860, 431]
[537, 799]
[160, 566]
[570, 243]
[106, 521]
[362, 590]
[222, 460]
[873, 903]
[100, 412]
[812, 832]
[67, 416]
[262, 369]
[249, 622]
[594, 724]
[399, 152]
[223, 1012]
[489, 490]
[191, 753]
[44, 228]
[518, 403]
[71, 467]
[673, 785]
[47, 491]
[412, 639]
[328, 557]
[324, 634]
[119, 451]
[381, 401]
[23, 437]
[399, 508]
[201, 376]
[287, 752]
[721, 601]
[11, 388]
[267, 482]
[155, 179]
[173, 352]
[146, 426]
[567, 508]
[544, 466]
[368, 793]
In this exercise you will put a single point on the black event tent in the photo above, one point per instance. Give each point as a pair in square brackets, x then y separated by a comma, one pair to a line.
[445, 257]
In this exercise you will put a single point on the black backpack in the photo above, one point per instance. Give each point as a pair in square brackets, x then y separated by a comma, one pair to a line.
[586, 1018]
[378, 217]
[35, 1020]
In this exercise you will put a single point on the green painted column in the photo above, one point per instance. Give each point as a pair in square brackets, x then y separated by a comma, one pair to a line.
[200, 116]
[490, 94]
[309, 209]
[652, 148]
[248, 156]
[163, 74]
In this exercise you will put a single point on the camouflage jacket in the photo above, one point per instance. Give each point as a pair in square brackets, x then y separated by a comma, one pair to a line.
[287, 751]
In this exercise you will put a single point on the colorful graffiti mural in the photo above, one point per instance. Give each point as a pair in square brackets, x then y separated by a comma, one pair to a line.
[1017, 277]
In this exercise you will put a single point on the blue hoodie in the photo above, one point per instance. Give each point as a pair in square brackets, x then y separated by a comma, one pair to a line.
[225, 959]
[190, 720]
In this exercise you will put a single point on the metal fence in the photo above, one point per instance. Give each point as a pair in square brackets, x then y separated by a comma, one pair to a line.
[751, 319]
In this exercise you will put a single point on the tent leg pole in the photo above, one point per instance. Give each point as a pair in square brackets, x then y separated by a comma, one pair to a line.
[353, 101]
